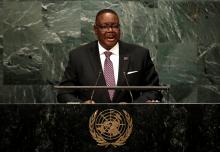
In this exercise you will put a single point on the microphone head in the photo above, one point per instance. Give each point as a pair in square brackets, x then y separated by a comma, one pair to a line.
[125, 58]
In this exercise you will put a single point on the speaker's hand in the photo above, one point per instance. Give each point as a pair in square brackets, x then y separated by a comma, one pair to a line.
[89, 102]
[152, 101]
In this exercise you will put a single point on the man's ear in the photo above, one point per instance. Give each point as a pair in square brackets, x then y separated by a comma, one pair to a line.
[95, 29]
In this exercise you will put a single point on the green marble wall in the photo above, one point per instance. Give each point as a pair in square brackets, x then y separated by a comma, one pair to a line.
[182, 35]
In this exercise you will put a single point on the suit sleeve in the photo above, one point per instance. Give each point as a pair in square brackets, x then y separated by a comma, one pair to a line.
[150, 78]
[70, 78]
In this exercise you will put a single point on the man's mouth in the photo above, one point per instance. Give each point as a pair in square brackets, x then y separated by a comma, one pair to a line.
[110, 38]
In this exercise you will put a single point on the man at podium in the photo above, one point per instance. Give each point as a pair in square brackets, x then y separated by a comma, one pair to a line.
[109, 62]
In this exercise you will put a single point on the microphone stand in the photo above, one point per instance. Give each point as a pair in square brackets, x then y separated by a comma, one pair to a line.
[132, 99]
[96, 83]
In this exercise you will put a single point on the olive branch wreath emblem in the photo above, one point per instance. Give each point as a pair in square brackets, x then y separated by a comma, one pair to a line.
[119, 141]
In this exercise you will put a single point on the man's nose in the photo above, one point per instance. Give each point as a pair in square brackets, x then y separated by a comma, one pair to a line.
[110, 28]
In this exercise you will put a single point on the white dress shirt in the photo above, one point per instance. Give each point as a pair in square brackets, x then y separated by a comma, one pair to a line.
[114, 58]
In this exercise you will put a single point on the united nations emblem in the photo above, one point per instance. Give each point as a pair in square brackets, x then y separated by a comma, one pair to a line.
[110, 127]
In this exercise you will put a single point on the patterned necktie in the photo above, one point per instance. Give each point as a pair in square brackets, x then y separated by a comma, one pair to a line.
[109, 73]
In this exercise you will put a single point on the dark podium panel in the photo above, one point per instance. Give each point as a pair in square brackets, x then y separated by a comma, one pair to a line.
[65, 128]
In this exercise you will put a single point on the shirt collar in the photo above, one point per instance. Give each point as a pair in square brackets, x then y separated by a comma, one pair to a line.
[114, 50]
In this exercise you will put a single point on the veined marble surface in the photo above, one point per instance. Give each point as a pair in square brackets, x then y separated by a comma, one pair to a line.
[183, 37]
[62, 127]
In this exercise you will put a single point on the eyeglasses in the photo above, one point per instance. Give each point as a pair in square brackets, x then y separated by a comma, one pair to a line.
[107, 27]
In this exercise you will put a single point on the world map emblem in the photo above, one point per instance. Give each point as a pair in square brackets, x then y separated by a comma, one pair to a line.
[110, 127]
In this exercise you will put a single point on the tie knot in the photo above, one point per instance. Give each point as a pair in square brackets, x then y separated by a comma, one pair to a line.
[107, 54]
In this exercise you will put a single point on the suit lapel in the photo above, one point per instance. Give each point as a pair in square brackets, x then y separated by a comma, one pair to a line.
[94, 58]
[123, 67]
[123, 64]
[97, 67]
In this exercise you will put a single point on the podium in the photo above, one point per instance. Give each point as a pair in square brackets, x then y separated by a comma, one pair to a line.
[64, 127]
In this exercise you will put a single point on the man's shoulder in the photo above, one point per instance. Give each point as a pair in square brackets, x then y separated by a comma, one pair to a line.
[131, 46]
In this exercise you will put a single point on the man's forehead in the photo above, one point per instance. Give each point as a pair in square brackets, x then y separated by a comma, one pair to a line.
[107, 17]
[107, 13]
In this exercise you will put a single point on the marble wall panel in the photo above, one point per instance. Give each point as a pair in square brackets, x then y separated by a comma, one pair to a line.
[208, 18]
[209, 93]
[56, 60]
[186, 20]
[209, 72]
[177, 66]
[22, 49]
[28, 94]
[209, 64]
[59, 23]
[175, 21]
[62, 22]
[1, 47]
[177, 63]
[1, 16]
[183, 93]
[1, 56]
[208, 53]
[1, 70]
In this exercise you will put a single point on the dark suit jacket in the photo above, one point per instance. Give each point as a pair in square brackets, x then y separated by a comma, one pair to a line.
[84, 67]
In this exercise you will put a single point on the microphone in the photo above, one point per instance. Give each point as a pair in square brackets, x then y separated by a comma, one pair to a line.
[126, 80]
[96, 83]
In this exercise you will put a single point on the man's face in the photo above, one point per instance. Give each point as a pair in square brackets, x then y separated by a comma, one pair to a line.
[107, 30]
